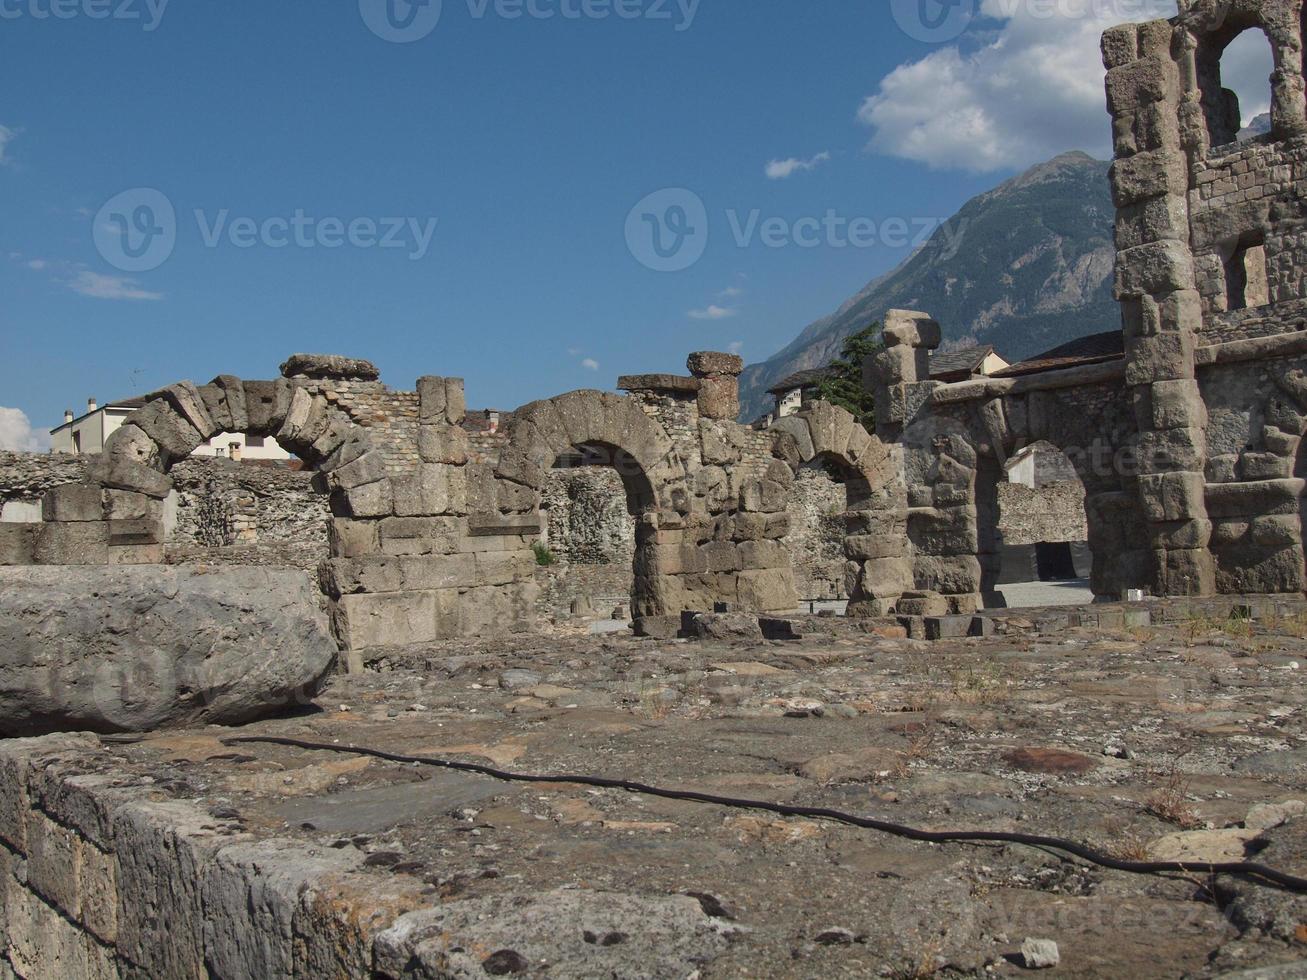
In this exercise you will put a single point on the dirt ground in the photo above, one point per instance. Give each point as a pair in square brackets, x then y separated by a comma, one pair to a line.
[1179, 741]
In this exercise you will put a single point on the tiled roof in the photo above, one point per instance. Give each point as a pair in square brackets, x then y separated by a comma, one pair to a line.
[801, 379]
[957, 361]
[1097, 347]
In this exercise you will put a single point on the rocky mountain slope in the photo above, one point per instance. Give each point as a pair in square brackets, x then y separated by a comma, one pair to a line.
[1024, 267]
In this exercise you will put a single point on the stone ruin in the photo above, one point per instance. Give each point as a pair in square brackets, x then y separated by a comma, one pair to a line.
[1187, 444]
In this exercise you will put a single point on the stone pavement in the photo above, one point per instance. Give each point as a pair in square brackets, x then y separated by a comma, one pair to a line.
[1184, 741]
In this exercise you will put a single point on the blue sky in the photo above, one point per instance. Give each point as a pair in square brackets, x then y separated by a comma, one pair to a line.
[527, 140]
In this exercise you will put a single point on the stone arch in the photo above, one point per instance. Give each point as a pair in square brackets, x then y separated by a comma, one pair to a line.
[878, 571]
[612, 429]
[641, 451]
[117, 511]
[1213, 27]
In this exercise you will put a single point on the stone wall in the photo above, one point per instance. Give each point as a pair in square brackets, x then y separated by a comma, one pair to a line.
[25, 478]
[1054, 512]
[101, 879]
[229, 512]
[816, 508]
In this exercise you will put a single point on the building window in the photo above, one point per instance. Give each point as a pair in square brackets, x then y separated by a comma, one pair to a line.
[77, 442]
[1246, 285]
[254, 442]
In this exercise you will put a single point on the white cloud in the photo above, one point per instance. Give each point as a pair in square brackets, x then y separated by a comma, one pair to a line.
[16, 433]
[736, 346]
[98, 286]
[713, 312]
[590, 364]
[1025, 85]
[36, 265]
[780, 169]
[731, 292]
[6, 137]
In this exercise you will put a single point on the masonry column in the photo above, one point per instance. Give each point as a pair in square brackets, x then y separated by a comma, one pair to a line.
[1149, 94]
[894, 376]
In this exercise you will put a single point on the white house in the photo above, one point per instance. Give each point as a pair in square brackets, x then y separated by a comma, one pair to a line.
[88, 434]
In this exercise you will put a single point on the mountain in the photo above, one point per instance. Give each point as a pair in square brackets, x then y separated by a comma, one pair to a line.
[1260, 126]
[1025, 267]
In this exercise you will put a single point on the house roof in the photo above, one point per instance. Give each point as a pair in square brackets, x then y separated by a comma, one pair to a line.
[964, 360]
[1109, 346]
[801, 379]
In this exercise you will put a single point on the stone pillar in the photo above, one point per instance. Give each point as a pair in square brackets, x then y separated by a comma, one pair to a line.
[719, 383]
[909, 338]
[1149, 94]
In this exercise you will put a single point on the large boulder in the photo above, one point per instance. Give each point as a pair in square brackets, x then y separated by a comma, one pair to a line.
[141, 647]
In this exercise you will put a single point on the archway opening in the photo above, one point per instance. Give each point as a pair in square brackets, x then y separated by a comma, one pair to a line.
[825, 490]
[1234, 72]
[592, 500]
[1040, 539]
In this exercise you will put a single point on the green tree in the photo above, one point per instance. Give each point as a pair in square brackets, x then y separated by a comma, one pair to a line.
[844, 386]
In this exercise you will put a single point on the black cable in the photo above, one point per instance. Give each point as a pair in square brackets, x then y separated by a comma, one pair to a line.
[1247, 869]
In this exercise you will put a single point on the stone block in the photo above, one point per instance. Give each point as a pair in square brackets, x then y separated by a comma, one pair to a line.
[370, 500]
[132, 443]
[251, 894]
[922, 604]
[1164, 357]
[1180, 535]
[911, 329]
[1172, 496]
[434, 490]
[455, 401]
[1254, 499]
[657, 627]
[54, 864]
[767, 590]
[957, 575]
[504, 567]
[703, 364]
[136, 531]
[1277, 530]
[124, 505]
[947, 627]
[73, 502]
[352, 538]
[164, 850]
[370, 467]
[187, 401]
[175, 437]
[883, 577]
[1182, 573]
[406, 574]
[719, 397]
[1176, 405]
[778, 526]
[136, 554]
[1141, 82]
[1155, 268]
[73, 544]
[763, 554]
[225, 400]
[516, 466]
[267, 404]
[1171, 450]
[443, 444]
[295, 429]
[386, 619]
[498, 610]
[1264, 466]
[1120, 45]
[431, 400]
[18, 544]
